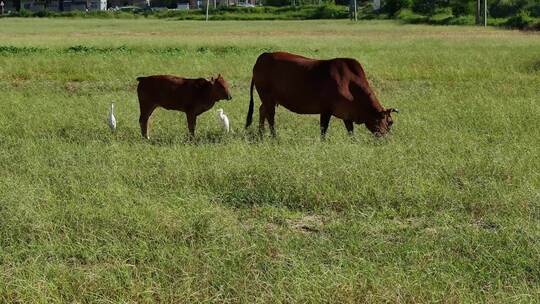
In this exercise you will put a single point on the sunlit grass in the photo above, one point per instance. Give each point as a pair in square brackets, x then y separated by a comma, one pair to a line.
[446, 208]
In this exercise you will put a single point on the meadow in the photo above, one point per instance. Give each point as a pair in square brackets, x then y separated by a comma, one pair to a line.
[444, 209]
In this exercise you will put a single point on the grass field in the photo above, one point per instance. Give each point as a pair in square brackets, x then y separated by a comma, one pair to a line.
[445, 209]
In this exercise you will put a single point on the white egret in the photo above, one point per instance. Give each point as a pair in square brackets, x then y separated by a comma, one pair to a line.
[112, 119]
[224, 120]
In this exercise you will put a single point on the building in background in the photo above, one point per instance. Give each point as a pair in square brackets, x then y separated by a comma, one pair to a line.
[10, 5]
[376, 5]
[101, 5]
[121, 3]
[56, 5]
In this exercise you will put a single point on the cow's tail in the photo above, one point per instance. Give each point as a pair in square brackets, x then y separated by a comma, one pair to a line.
[249, 117]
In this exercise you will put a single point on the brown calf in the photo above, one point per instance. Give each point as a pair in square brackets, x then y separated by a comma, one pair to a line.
[192, 96]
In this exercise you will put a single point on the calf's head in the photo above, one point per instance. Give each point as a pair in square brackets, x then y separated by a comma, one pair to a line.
[381, 123]
[220, 88]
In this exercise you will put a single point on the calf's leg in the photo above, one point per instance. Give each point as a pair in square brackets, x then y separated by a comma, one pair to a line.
[192, 121]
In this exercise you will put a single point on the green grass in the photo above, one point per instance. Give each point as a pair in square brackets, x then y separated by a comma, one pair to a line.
[445, 209]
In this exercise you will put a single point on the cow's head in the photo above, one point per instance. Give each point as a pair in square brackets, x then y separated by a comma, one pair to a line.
[382, 122]
[220, 88]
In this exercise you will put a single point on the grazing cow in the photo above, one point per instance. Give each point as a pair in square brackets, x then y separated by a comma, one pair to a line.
[335, 87]
[192, 96]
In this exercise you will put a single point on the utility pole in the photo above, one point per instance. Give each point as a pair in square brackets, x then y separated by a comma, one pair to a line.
[355, 12]
[478, 10]
[207, 6]
[485, 13]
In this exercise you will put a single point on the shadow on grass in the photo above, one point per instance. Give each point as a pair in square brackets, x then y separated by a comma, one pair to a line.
[131, 135]
[81, 135]
[535, 67]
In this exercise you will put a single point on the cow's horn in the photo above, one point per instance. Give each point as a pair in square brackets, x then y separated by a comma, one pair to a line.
[395, 110]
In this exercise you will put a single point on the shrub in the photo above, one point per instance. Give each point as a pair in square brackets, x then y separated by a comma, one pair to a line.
[462, 20]
[23, 13]
[393, 6]
[277, 2]
[409, 16]
[329, 12]
[427, 7]
[44, 13]
[507, 8]
[463, 7]
[19, 50]
[521, 20]
[442, 16]
[535, 26]
[534, 9]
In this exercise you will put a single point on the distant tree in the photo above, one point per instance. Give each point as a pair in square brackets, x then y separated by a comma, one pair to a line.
[428, 7]
[462, 7]
[166, 3]
[393, 6]
[277, 2]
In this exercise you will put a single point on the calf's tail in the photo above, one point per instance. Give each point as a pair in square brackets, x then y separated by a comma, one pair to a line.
[249, 117]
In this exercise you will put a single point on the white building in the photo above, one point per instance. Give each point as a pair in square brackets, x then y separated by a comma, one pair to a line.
[65, 5]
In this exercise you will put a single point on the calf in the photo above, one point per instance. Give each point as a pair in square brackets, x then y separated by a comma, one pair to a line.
[192, 96]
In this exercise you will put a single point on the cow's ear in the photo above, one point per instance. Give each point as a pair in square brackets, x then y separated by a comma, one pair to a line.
[212, 80]
[390, 111]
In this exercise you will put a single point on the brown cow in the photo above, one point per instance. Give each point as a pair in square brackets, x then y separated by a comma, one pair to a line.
[192, 96]
[335, 87]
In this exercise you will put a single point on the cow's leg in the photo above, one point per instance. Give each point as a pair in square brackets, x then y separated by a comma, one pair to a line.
[192, 121]
[270, 114]
[325, 121]
[349, 125]
[262, 117]
[146, 112]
